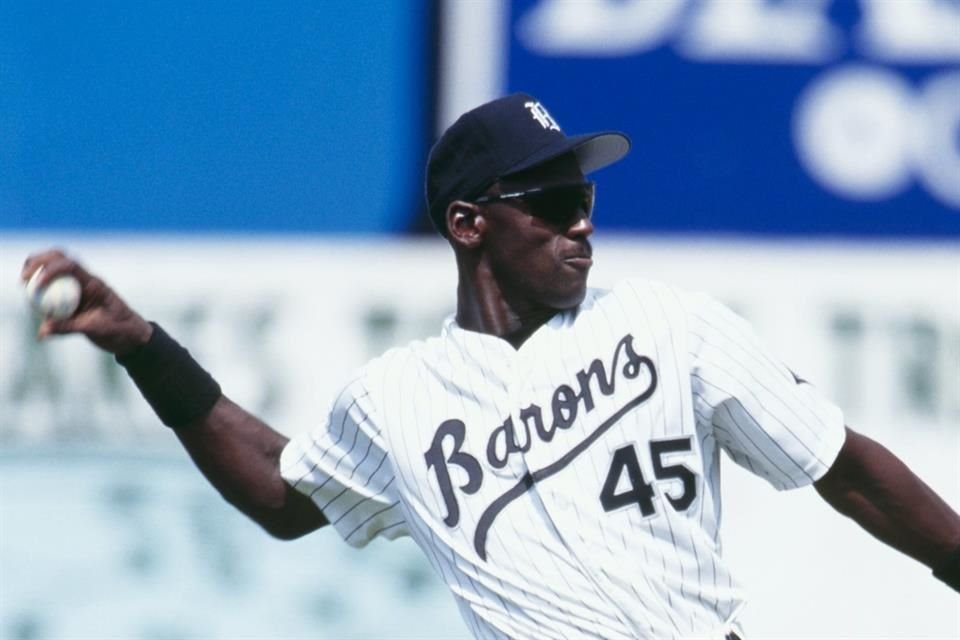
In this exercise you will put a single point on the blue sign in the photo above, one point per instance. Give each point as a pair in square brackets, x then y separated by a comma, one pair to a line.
[782, 117]
[761, 117]
[213, 116]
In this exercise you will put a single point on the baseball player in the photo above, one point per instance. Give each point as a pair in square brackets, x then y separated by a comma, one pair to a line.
[555, 450]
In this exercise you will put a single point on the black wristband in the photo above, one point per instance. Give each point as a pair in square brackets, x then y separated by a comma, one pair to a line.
[178, 389]
[949, 570]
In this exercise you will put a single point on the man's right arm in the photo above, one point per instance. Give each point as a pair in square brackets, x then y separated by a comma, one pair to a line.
[240, 456]
[238, 453]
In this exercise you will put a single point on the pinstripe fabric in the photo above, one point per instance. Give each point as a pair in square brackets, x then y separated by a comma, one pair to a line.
[767, 422]
[570, 488]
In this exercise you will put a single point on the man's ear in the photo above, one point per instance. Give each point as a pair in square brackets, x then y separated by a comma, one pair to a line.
[465, 224]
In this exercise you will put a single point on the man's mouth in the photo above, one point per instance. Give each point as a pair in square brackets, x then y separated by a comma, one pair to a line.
[581, 261]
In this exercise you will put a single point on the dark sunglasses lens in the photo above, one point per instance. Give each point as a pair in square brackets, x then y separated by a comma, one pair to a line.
[562, 205]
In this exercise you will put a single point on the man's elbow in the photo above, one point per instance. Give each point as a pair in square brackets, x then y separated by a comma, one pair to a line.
[298, 517]
[286, 530]
[293, 518]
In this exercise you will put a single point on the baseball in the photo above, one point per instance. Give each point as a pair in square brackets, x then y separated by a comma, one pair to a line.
[58, 300]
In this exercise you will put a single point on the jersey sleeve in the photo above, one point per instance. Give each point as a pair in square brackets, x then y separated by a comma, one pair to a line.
[344, 467]
[768, 420]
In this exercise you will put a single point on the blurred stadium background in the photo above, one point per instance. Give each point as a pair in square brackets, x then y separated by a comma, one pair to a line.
[249, 174]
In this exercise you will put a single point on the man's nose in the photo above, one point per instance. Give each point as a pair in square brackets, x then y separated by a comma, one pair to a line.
[582, 228]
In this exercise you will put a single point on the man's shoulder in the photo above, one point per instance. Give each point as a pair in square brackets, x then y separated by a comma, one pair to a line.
[396, 362]
[644, 302]
[637, 290]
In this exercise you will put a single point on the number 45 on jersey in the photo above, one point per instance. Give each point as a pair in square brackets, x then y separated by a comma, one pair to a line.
[639, 491]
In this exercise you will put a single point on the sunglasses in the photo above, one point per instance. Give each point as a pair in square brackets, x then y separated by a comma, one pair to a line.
[561, 205]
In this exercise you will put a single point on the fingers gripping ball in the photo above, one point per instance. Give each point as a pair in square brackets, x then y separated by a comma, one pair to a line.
[58, 300]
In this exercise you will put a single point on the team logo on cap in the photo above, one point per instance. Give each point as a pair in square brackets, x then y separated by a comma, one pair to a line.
[541, 115]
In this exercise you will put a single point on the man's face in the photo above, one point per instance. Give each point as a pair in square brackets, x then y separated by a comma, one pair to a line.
[537, 262]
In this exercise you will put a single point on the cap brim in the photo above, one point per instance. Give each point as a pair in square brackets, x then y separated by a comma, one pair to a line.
[594, 151]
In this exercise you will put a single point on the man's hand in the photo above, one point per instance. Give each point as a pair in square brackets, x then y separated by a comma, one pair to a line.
[236, 451]
[102, 316]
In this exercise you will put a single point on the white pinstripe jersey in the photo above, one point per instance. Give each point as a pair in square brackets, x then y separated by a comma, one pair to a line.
[570, 488]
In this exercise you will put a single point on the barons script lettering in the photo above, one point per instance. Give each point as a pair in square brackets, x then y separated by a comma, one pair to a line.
[511, 438]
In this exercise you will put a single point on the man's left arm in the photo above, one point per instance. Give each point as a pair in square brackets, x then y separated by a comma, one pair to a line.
[875, 488]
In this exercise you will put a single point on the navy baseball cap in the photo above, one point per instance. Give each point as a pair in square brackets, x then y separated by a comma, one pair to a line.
[502, 137]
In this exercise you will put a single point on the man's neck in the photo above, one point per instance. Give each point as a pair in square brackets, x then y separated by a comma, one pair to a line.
[482, 306]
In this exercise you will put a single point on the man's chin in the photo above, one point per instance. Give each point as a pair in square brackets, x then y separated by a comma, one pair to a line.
[571, 299]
